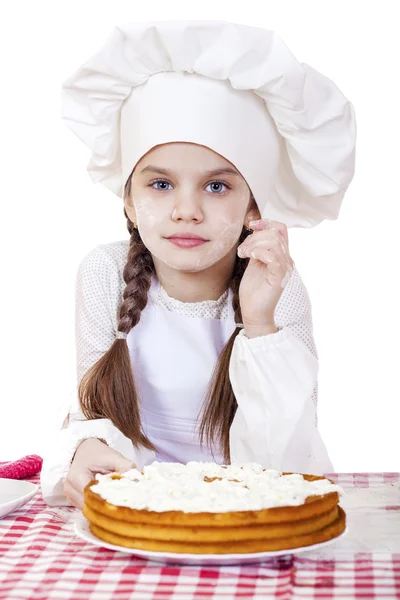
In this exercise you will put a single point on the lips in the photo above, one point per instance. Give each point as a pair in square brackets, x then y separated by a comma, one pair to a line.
[187, 242]
[186, 236]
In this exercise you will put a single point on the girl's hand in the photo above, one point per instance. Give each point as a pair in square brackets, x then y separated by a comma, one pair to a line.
[267, 272]
[92, 456]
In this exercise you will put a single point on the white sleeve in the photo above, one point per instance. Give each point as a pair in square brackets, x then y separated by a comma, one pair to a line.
[274, 379]
[98, 295]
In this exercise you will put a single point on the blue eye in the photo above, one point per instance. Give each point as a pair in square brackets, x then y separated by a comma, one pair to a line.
[158, 181]
[218, 183]
[151, 184]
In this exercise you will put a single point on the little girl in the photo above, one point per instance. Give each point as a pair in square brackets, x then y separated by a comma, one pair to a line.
[194, 338]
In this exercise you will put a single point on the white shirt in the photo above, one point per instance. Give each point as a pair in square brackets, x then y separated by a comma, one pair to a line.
[274, 378]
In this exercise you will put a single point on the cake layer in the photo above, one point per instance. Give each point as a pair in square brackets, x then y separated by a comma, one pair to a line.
[201, 534]
[228, 547]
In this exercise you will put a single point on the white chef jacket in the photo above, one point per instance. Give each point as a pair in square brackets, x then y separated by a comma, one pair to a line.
[173, 351]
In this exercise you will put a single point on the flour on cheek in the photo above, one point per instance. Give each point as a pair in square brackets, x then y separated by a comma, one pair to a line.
[145, 213]
[225, 237]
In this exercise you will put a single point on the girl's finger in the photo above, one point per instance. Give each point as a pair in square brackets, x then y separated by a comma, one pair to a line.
[278, 257]
[269, 233]
[284, 247]
[268, 223]
[275, 269]
[268, 236]
[77, 479]
[282, 235]
[265, 254]
[74, 497]
[276, 249]
[74, 485]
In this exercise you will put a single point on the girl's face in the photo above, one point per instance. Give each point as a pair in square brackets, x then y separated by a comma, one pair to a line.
[175, 190]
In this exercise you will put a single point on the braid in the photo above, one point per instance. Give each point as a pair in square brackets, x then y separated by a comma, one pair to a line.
[137, 276]
[108, 390]
[220, 404]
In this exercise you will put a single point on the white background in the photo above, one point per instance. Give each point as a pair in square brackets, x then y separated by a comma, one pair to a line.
[52, 214]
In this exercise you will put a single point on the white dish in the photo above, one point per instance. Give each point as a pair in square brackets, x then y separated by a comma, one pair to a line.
[14, 493]
[83, 531]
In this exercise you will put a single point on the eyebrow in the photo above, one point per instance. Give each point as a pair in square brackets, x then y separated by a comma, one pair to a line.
[223, 171]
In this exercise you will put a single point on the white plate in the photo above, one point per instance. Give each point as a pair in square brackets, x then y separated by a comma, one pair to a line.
[83, 531]
[14, 493]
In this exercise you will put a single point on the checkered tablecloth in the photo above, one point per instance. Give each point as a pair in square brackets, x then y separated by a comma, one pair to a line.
[42, 558]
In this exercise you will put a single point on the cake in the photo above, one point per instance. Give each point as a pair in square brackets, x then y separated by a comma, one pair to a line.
[206, 508]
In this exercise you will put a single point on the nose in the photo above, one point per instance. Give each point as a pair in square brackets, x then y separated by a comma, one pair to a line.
[187, 208]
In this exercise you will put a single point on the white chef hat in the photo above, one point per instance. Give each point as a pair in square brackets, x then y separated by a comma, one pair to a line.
[233, 88]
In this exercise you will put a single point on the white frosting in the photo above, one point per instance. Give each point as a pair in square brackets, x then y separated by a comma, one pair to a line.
[174, 486]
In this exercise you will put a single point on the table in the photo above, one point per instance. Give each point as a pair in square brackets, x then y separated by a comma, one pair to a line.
[42, 558]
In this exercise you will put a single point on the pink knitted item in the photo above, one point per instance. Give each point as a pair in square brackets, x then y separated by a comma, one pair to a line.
[24, 467]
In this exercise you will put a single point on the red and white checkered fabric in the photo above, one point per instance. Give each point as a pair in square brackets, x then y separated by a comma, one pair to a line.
[42, 558]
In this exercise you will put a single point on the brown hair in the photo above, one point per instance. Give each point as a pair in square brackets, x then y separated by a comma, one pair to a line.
[108, 390]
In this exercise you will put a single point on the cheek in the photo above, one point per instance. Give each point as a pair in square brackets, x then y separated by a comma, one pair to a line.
[225, 235]
[146, 213]
[228, 232]
[229, 222]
